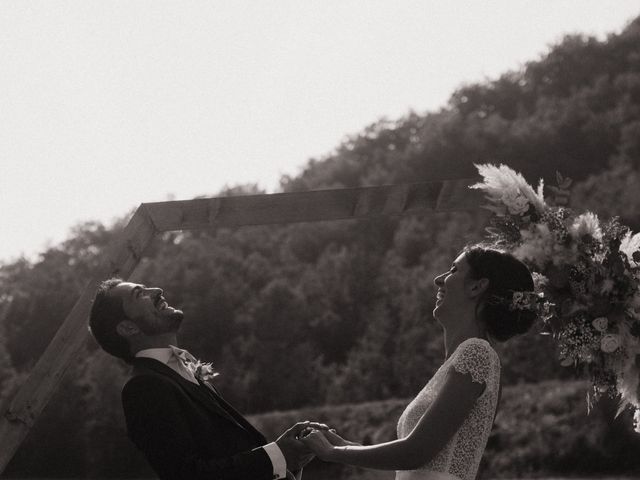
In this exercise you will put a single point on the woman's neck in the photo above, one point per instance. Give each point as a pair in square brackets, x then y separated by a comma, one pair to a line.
[454, 337]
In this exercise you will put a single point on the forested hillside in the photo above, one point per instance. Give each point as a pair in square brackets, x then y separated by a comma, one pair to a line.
[326, 313]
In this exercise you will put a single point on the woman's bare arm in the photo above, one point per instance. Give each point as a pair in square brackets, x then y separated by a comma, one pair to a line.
[432, 432]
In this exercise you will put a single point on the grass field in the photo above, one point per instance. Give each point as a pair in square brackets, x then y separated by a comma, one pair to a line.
[375, 476]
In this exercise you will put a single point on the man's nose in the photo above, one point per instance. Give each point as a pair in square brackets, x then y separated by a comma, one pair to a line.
[438, 280]
[155, 291]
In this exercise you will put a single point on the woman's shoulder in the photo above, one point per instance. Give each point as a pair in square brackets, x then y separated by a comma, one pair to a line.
[476, 356]
[477, 347]
[482, 342]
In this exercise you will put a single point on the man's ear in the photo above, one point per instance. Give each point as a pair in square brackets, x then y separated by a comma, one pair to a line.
[478, 287]
[127, 328]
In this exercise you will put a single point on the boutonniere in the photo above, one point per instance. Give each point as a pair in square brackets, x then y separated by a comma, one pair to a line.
[202, 371]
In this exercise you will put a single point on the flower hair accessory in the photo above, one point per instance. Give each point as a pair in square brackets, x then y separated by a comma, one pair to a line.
[525, 301]
[532, 302]
[586, 276]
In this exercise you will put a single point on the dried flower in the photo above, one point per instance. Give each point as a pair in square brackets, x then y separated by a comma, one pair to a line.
[600, 324]
[610, 343]
[586, 225]
[202, 371]
[629, 245]
[515, 202]
[567, 362]
[504, 186]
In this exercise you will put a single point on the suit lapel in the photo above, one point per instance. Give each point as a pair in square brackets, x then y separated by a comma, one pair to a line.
[193, 390]
[232, 411]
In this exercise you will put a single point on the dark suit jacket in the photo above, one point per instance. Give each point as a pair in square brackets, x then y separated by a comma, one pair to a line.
[187, 431]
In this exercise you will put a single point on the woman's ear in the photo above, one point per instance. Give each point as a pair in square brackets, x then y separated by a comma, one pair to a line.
[478, 287]
[127, 328]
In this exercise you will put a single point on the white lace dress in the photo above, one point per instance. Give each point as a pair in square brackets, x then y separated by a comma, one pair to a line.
[460, 458]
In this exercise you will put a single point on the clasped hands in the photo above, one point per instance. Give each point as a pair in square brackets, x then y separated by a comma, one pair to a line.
[305, 440]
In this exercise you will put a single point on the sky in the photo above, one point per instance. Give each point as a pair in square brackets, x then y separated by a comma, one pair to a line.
[107, 104]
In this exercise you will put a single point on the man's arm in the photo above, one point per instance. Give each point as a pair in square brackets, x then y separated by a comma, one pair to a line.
[157, 426]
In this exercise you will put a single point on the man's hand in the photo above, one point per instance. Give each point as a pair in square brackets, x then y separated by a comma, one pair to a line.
[296, 453]
[319, 444]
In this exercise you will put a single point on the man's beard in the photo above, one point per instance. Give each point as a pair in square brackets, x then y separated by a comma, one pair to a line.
[161, 324]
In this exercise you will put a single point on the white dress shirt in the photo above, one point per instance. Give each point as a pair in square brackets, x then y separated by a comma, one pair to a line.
[165, 355]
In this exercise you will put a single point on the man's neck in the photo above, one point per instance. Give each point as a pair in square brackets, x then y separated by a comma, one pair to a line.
[155, 341]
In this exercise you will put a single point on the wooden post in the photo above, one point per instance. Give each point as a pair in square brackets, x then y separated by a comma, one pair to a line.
[151, 218]
[42, 381]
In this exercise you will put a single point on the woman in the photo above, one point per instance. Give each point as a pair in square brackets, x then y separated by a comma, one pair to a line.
[444, 430]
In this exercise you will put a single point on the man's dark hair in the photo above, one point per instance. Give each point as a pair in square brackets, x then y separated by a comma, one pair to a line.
[106, 313]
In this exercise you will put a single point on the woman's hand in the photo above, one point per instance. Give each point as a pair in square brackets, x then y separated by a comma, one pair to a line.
[319, 444]
[336, 440]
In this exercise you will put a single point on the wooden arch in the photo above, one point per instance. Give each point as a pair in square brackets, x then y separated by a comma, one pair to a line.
[151, 219]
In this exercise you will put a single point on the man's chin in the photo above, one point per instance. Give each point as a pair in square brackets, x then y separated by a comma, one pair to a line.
[175, 318]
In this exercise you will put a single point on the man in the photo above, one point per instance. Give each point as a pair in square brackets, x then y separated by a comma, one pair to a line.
[183, 426]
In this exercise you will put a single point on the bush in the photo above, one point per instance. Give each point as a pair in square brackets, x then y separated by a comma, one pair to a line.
[541, 430]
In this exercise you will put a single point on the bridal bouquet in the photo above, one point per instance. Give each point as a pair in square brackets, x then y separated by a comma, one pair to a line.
[586, 273]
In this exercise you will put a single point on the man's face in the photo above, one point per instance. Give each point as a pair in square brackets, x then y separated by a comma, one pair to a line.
[148, 308]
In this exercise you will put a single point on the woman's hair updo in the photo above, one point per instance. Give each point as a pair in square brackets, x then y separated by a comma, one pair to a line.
[506, 274]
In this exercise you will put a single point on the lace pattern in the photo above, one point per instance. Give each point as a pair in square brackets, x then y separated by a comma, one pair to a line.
[475, 359]
[461, 456]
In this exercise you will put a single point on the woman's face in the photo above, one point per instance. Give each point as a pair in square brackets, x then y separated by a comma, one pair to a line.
[453, 289]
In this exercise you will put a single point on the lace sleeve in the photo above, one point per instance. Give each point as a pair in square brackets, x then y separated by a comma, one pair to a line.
[478, 359]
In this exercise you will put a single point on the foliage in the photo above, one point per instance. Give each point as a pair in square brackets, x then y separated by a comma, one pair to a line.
[573, 110]
[541, 429]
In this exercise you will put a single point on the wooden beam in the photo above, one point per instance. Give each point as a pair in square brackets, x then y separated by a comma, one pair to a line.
[42, 381]
[151, 218]
[313, 206]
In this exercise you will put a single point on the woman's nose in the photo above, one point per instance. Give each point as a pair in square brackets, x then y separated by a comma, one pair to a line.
[155, 291]
[438, 281]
